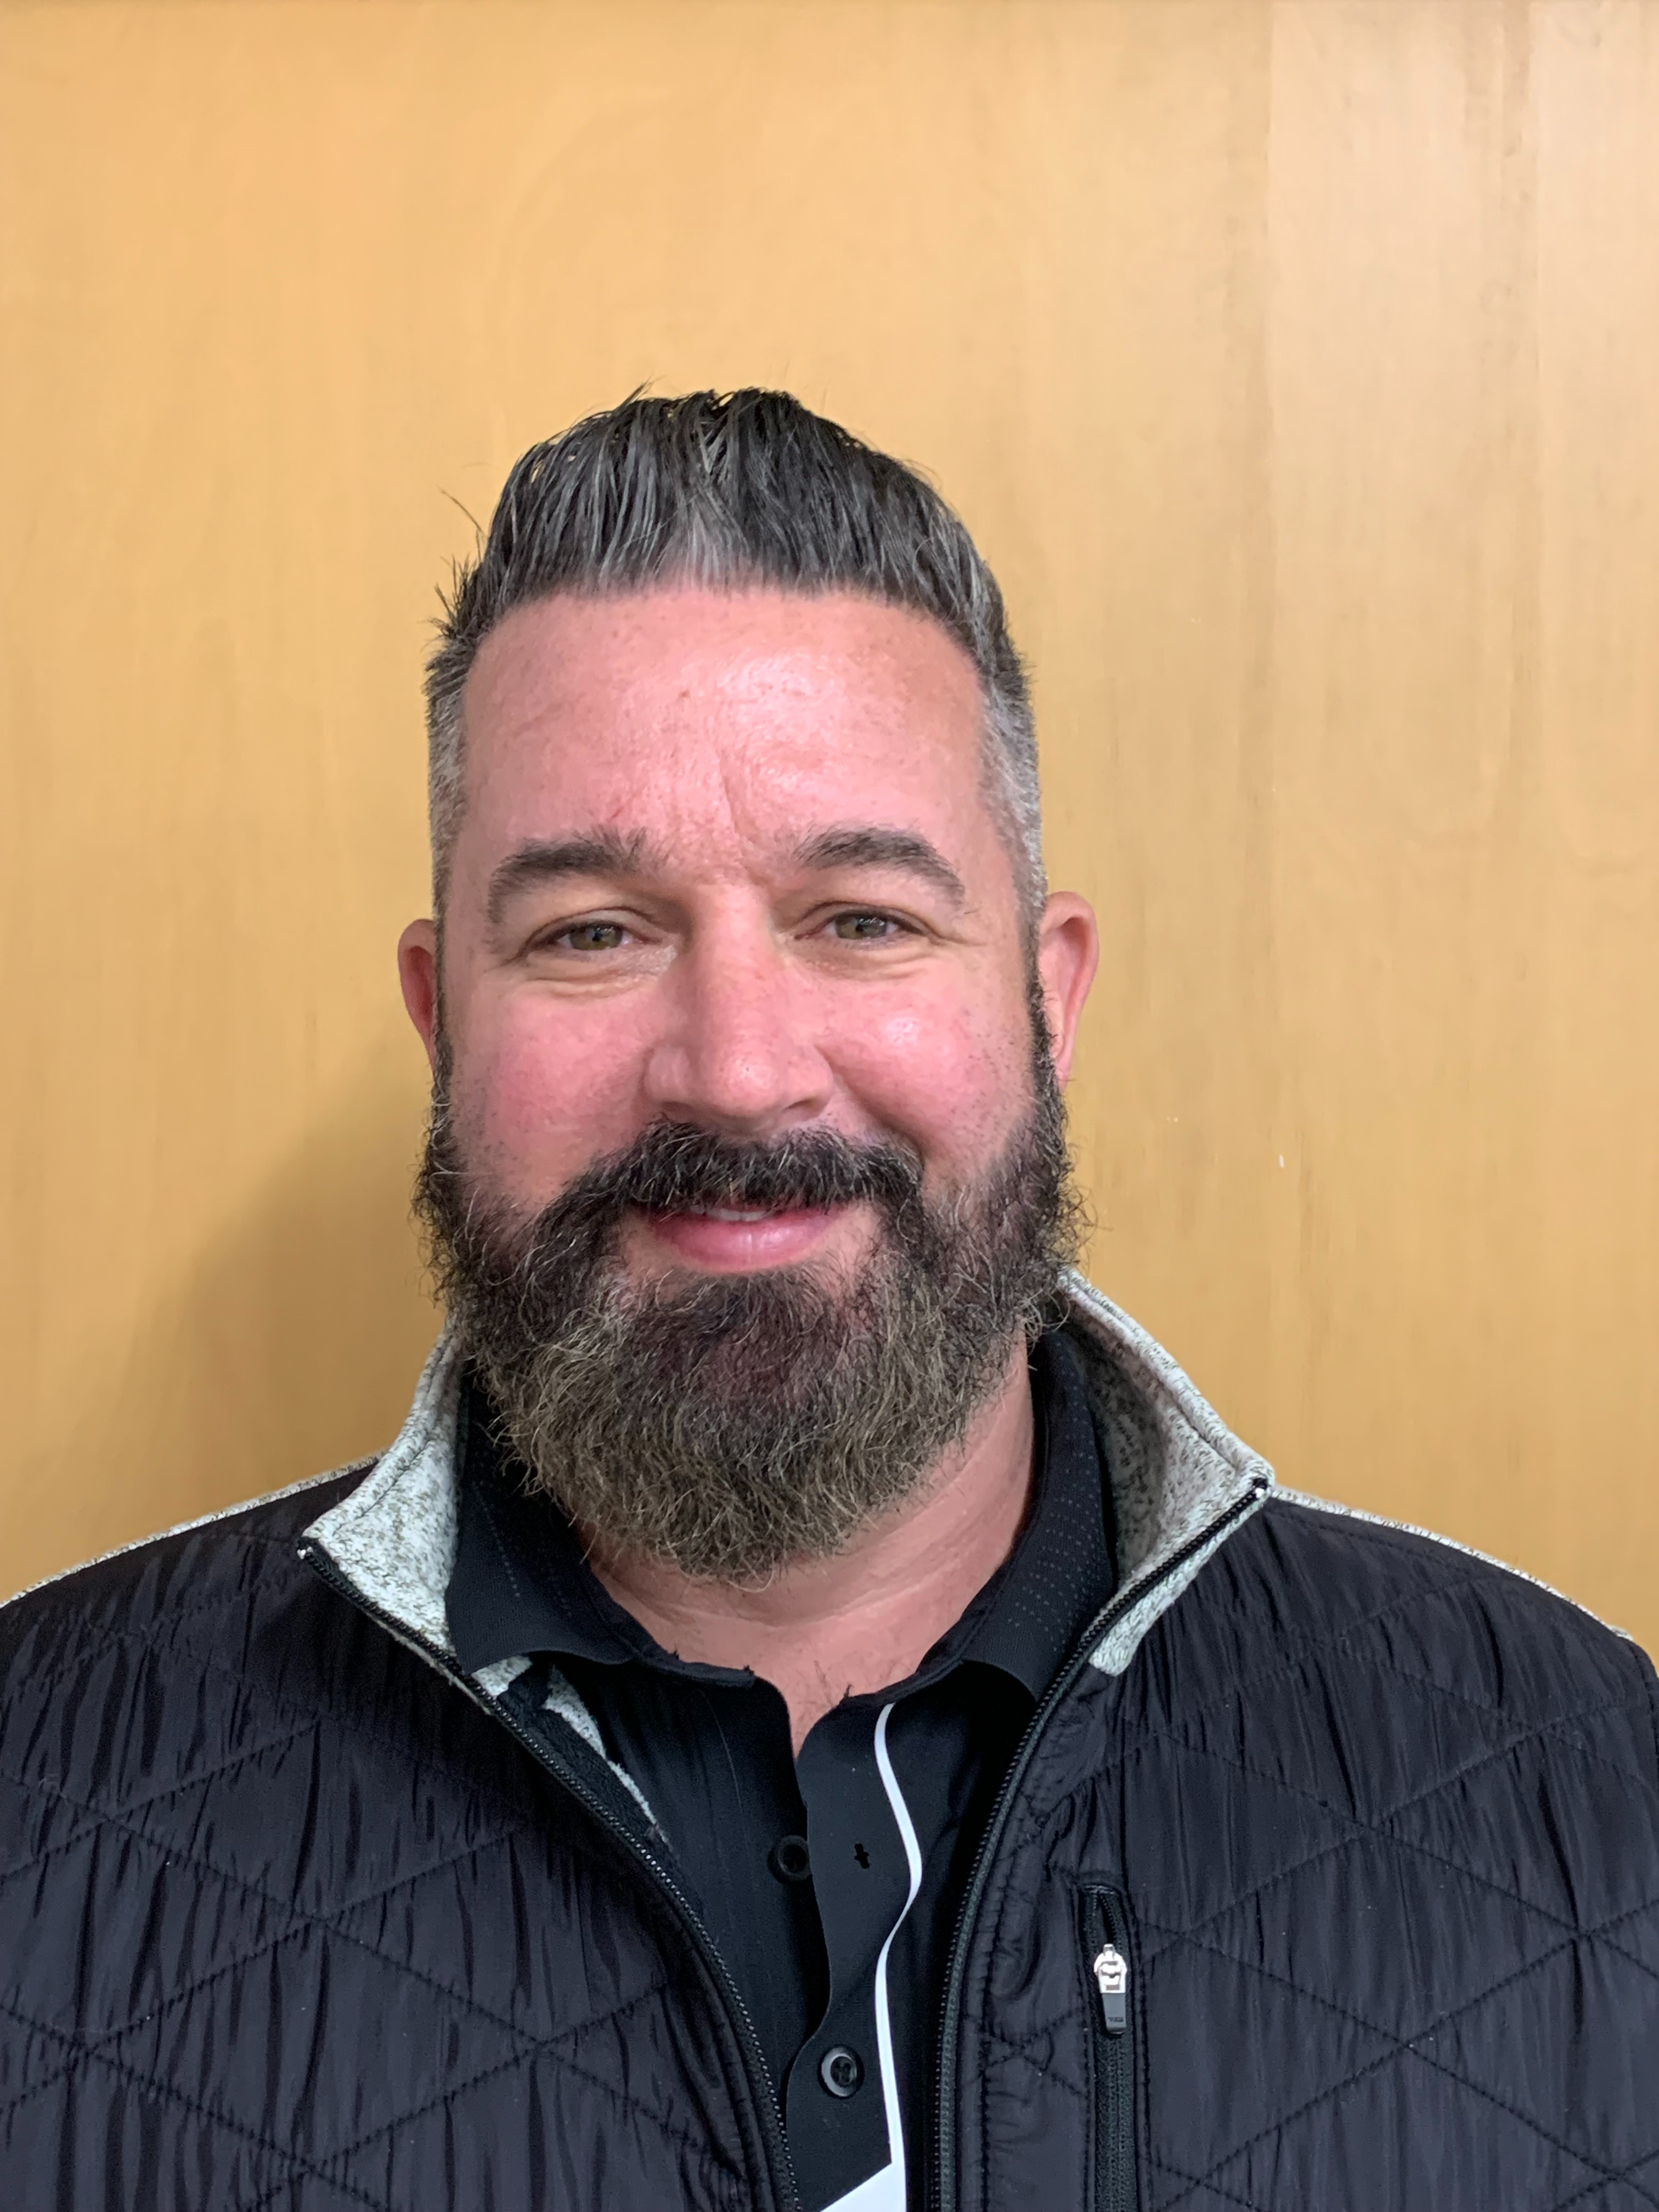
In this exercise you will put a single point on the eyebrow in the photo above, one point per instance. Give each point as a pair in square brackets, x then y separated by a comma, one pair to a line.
[859, 847]
[598, 853]
[608, 853]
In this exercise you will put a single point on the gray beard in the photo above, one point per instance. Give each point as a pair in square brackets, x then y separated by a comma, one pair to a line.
[727, 1425]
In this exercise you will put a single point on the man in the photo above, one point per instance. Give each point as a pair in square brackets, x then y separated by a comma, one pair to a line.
[813, 1708]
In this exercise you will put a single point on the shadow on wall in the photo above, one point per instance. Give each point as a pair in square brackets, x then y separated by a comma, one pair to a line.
[294, 1348]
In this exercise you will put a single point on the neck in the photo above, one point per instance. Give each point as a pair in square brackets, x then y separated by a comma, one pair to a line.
[827, 1629]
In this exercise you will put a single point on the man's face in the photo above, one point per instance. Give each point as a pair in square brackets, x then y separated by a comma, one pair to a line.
[726, 861]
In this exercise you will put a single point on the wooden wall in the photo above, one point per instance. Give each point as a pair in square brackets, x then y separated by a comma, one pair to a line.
[1296, 361]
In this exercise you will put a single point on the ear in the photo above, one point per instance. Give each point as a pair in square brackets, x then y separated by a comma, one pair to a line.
[1068, 952]
[417, 971]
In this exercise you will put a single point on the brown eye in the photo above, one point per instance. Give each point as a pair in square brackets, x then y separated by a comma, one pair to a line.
[592, 937]
[862, 929]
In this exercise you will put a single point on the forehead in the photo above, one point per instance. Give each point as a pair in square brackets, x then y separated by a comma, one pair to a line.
[753, 711]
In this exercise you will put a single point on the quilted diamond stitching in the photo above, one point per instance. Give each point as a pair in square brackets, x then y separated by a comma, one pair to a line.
[165, 1626]
[407, 1753]
[1297, 1645]
[1306, 1644]
[301, 1922]
[1312, 1858]
[1558, 1725]
[97, 1817]
[1215, 2187]
[1016, 2050]
[525, 2038]
[455, 2090]
[1558, 1728]
[1404, 2048]
[135, 2077]
[1563, 1728]
[1358, 1827]
[1595, 2188]
[299, 1925]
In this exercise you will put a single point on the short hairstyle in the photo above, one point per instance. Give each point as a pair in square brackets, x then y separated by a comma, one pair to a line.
[735, 490]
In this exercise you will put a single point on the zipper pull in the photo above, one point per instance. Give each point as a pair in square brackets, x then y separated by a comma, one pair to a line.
[1111, 1972]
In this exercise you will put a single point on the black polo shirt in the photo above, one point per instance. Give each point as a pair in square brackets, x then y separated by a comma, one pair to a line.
[831, 1882]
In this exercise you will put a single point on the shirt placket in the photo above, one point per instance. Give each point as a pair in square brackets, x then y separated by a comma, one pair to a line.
[842, 2094]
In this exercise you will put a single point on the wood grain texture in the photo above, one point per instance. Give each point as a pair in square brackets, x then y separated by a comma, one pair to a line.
[1294, 361]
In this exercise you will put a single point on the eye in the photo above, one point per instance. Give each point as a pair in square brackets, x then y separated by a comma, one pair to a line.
[590, 937]
[866, 928]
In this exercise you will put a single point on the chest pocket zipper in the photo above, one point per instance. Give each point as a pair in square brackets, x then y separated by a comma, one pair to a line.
[1108, 1958]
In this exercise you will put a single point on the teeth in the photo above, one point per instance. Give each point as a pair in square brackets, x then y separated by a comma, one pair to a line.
[733, 1214]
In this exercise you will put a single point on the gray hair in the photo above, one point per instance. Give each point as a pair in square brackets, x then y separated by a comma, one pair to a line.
[743, 490]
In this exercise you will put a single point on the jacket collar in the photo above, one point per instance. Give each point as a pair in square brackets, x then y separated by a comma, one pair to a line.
[1182, 1484]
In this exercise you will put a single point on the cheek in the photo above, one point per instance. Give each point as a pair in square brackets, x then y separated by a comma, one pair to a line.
[539, 1097]
[953, 1077]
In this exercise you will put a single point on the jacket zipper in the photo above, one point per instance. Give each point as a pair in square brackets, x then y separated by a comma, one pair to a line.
[782, 2187]
[1107, 1955]
[941, 2194]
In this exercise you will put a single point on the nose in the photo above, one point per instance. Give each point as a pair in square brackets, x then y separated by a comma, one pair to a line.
[737, 1052]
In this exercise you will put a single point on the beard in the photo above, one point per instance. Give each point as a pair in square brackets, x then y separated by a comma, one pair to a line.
[730, 1425]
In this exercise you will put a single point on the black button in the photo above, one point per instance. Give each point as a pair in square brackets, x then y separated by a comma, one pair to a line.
[790, 1860]
[841, 2071]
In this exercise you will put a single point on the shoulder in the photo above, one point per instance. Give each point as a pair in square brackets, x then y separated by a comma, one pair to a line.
[212, 1653]
[204, 1657]
[1405, 1625]
[1346, 1561]
[187, 1588]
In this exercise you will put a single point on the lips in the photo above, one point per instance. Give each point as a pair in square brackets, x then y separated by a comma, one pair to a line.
[735, 1239]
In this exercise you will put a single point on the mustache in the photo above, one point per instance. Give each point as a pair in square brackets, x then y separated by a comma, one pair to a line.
[678, 1167]
[675, 1166]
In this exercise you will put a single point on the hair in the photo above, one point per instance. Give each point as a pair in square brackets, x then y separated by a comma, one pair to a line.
[741, 491]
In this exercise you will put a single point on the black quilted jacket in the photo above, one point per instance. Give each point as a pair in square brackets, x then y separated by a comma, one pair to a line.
[295, 1917]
